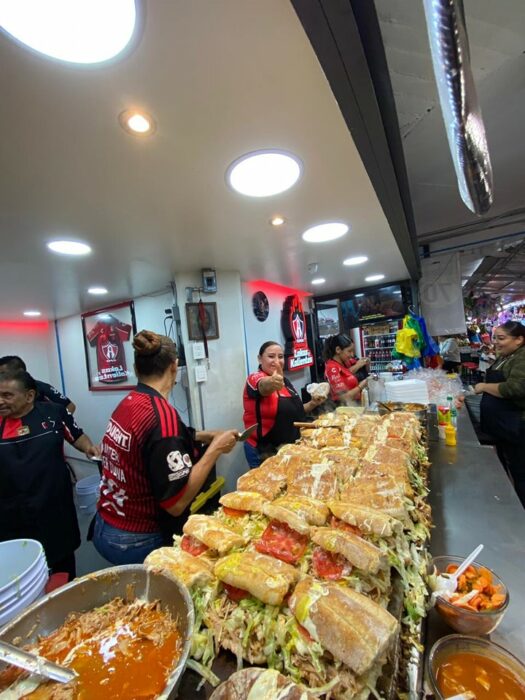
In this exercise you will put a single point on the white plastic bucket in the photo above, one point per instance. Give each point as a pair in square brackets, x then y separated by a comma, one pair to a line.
[19, 559]
[87, 493]
[36, 590]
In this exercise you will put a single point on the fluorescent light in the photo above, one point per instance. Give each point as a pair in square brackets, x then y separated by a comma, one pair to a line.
[277, 221]
[357, 260]
[325, 232]
[264, 173]
[69, 247]
[76, 31]
[97, 290]
[137, 123]
[359, 295]
[32, 313]
[374, 278]
[319, 280]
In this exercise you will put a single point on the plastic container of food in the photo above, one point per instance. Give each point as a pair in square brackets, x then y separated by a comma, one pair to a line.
[451, 650]
[464, 620]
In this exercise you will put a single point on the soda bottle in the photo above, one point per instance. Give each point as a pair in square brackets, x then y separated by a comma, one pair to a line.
[453, 410]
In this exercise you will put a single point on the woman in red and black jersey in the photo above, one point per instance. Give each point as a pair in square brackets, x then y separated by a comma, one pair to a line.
[271, 401]
[151, 470]
[341, 368]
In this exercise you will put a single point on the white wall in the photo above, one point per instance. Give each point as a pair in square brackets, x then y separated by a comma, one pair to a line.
[34, 342]
[258, 332]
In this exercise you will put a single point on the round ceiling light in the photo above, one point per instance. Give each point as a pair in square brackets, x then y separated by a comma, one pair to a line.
[32, 313]
[97, 290]
[374, 278]
[319, 280]
[357, 260]
[277, 221]
[325, 232]
[264, 173]
[69, 247]
[76, 31]
[137, 123]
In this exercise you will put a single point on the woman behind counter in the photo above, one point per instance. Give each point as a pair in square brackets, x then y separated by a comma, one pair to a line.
[341, 368]
[503, 401]
[150, 468]
[271, 401]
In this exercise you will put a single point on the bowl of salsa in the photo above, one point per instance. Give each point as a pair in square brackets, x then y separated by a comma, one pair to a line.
[458, 664]
[480, 600]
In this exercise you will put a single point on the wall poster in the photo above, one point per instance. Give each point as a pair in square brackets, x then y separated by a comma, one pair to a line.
[107, 337]
[297, 353]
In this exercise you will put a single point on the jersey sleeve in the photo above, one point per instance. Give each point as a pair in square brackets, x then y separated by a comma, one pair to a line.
[252, 383]
[72, 431]
[94, 332]
[49, 393]
[169, 464]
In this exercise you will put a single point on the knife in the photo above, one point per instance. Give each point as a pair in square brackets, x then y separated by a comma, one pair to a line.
[35, 664]
[241, 437]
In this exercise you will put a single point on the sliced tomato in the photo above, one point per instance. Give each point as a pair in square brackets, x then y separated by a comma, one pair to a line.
[304, 633]
[341, 525]
[233, 512]
[192, 545]
[235, 593]
[329, 565]
[279, 540]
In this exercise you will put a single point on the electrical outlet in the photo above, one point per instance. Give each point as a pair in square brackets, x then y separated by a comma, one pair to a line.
[198, 351]
[201, 374]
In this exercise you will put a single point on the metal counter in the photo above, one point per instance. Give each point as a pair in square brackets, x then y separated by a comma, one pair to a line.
[474, 502]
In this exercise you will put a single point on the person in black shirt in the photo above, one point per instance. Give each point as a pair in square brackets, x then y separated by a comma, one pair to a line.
[45, 392]
[36, 495]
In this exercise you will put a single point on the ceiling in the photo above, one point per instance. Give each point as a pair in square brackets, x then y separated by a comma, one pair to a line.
[497, 45]
[221, 79]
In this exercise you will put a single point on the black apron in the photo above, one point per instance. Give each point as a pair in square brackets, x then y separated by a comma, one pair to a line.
[36, 495]
[500, 417]
[283, 432]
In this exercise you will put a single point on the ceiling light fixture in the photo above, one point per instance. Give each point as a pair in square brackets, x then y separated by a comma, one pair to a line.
[277, 221]
[69, 247]
[359, 295]
[325, 232]
[319, 280]
[83, 31]
[32, 313]
[374, 278]
[357, 260]
[137, 123]
[97, 290]
[264, 173]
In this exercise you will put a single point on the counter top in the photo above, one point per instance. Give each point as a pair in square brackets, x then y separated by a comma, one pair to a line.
[474, 502]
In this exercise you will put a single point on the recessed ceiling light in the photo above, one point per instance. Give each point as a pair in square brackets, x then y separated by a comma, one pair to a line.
[97, 290]
[325, 232]
[83, 31]
[319, 280]
[137, 123]
[264, 173]
[357, 260]
[277, 221]
[374, 278]
[32, 313]
[69, 247]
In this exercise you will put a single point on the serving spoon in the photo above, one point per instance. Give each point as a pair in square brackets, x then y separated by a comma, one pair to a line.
[447, 583]
[37, 665]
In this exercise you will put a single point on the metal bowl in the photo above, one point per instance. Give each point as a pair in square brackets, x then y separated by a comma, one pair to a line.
[394, 406]
[88, 592]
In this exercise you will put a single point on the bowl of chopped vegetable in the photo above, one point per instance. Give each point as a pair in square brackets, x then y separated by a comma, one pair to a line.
[480, 601]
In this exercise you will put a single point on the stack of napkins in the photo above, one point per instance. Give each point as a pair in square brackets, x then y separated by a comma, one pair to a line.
[407, 391]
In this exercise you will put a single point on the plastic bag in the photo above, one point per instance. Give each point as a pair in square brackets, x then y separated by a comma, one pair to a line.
[318, 391]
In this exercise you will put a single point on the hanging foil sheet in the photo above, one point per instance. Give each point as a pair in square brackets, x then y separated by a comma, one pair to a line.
[459, 102]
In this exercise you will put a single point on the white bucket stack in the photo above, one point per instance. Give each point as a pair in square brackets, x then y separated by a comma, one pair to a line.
[87, 493]
[23, 576]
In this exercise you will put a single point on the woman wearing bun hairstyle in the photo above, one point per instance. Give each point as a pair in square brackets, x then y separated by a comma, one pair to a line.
[150, 470]
[341, 368]
[271, 401]
[503, 401]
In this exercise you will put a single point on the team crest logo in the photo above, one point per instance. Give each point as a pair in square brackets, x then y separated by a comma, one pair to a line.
[179, 465]
[110, 351]
[298, 327]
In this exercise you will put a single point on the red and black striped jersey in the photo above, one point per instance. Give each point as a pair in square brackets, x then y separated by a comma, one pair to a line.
[147, 456]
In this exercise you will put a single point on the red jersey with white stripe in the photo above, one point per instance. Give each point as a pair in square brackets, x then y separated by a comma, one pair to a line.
[111, 357]
[340, 379]
[147, 456]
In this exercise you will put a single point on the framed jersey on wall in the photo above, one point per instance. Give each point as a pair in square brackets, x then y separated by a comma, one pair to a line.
[107, 337]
